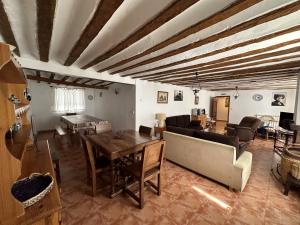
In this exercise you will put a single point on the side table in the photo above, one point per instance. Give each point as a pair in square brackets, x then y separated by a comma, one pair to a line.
[159, 130]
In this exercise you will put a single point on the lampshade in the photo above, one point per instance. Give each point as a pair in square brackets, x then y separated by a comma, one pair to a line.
[160, 116]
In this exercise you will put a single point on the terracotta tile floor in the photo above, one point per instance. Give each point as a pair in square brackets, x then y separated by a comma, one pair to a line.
[187, 198]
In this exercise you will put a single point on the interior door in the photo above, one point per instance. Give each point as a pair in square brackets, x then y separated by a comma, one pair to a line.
[214, 108]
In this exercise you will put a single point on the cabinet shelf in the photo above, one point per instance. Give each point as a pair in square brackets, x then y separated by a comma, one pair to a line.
[18, 143]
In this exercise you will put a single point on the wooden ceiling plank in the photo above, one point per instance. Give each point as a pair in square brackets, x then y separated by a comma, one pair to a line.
[287, 65]
[45, 18]
[164, 16]
[233, 9]
[226, 69]
[54, 81]
[104, 12]
[6, 31]
[231, 60]
[272, 15]
[218, 51]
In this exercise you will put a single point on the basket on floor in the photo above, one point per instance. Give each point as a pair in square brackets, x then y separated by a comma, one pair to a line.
[290, 162]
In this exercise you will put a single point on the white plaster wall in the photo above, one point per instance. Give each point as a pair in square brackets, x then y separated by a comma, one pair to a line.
[246, 106]
[44, 117]
[147, 106]
[118, 109]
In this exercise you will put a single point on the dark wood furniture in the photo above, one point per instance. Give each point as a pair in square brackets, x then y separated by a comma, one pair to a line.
[115, 145]
[202, 118]
[19, 157]
[160, 131]
[145, 130]
[55, 159]
[290, 180]
[146, 169]
[94, 166]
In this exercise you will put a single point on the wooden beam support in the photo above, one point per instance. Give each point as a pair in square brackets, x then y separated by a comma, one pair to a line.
[280, 12]
[100, 82]
[227, 69]
[270, 68]
[106, 85]
[54, 81]
[218, 51]
[201, 25]
[38, 75]
[230, 60]
[45, 17]
[76, 80]
[6, 31]
[88, 80]
[51, 78]
[64, 78]
[104, 12]
[177, 7]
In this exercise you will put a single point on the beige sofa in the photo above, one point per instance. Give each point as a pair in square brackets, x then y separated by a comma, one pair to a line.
[211, 159]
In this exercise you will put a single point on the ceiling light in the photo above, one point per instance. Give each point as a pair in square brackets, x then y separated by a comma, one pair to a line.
[196, 88]
[236, 94]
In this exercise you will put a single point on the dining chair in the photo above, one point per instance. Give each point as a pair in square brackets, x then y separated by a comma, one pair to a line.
[148, 167]
[145, 130]
[94, 165]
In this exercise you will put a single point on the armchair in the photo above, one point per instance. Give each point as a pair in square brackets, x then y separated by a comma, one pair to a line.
[245, 130]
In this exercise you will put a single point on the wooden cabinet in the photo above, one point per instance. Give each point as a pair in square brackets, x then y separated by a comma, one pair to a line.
[201, 118]
[18, 156]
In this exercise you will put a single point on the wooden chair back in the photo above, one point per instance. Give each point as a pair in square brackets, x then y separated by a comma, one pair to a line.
[101, 128]
[88, 152]
[152, 156]
[145, 130]
[71, 114]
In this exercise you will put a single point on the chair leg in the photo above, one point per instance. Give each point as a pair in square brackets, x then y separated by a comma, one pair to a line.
[141, 194]
[159, 184]
[57, 172]
[94, 184]
[287, 187]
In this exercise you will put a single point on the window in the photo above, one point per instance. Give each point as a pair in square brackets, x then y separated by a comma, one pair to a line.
[69, 100]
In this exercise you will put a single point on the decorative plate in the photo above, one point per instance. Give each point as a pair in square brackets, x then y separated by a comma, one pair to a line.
[90, 97]
[32, 189]
[257, 97]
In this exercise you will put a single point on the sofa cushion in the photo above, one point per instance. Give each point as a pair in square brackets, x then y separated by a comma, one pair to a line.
[183, 121]
[181, 130]
[171, 121]
[219, 138]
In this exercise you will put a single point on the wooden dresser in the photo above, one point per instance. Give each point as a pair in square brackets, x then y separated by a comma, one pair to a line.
[19, 157]
[201, 118]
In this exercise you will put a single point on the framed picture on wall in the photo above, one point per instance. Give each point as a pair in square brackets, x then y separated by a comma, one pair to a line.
[162, 97]
[278, 99]
[178, 95]
[196, 100]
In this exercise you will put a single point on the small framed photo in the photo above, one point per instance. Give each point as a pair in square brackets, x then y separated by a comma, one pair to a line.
[278, 99]
[178, 95]
[162, 97]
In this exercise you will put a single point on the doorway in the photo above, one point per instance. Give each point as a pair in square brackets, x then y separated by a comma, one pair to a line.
[220, 108]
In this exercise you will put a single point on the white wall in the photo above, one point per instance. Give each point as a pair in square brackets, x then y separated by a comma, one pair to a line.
[43, 115]
[147, 106]
[118, 109]
[246, 106]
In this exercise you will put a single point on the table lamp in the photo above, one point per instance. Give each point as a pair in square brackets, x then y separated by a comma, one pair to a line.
[161, 119]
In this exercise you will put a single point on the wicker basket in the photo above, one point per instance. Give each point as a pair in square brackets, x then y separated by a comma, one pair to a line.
[290, 163]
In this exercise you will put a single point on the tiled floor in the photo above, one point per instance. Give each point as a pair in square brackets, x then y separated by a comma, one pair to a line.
[187, 198]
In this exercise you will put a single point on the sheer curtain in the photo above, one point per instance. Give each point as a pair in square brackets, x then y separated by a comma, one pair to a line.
[68, 100]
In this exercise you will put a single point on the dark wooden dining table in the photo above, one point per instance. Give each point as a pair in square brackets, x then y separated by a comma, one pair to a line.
[115, 145]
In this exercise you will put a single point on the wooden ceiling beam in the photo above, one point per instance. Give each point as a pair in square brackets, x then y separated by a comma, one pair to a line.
[106, 85]
[104, 12]
[45, 18]
[272, 15]
[100, 82]
[173, 10]
[76, 80]
[88, 80]
[51, 78]
[287, 65]
[65, 78]
[218, 51]
[231, 60]
[38, 75]
[227, 69]
[201, 25]
[54, 81]
[6, 31]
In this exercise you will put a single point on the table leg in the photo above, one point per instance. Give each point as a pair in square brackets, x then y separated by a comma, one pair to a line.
[113, 173]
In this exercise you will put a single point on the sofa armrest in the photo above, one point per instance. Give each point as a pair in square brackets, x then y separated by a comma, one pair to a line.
[244, 133]
[232, 125]
[231, 131]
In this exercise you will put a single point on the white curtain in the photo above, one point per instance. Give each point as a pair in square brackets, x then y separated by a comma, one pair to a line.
[68, 100]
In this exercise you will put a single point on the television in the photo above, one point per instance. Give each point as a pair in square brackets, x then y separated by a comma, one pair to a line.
[285, 119]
